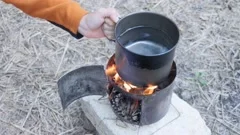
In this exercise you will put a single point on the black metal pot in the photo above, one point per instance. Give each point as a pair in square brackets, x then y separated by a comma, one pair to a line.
[145, 47]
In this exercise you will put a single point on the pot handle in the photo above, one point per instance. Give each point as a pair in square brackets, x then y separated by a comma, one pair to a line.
[109, 29]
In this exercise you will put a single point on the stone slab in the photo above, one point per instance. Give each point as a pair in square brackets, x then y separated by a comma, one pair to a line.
[181, 119]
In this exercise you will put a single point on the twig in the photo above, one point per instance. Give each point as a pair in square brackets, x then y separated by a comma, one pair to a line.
[236, 115]
[195, 44]
[218, 48]
[4, 21]
[223, 123]
[65, 50]
[10, 63]
[51, 109]
[30, 110]
[205, 95]
[35, 34]
[159, 2]
[115, 3]
[70, 130]
[211, 103]
[33, 61]
[235, 107]
[34, 47]
[18, 127]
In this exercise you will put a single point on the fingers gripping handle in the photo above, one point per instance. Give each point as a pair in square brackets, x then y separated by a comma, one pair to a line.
[109, 29]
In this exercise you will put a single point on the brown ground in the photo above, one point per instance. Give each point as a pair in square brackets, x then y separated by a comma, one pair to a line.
[34, 54]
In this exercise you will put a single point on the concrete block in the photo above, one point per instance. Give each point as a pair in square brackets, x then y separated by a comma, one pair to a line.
[181, 119]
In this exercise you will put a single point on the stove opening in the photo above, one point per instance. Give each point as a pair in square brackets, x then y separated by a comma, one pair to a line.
[126, 108]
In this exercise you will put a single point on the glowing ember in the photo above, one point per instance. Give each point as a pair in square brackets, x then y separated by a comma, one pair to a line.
[112, 72]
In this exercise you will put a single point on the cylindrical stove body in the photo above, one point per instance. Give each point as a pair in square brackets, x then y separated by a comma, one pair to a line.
[150, 108]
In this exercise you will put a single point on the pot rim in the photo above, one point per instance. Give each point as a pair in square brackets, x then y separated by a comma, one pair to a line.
[153, 13]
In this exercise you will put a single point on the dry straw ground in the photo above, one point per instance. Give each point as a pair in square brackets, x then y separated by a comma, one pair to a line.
[34, 54]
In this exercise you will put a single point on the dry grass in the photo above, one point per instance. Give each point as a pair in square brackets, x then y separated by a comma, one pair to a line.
[34, 54]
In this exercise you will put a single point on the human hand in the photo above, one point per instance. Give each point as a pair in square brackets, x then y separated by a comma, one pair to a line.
[99, 24]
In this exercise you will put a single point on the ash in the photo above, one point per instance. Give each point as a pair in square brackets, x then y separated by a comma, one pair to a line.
[127, 109]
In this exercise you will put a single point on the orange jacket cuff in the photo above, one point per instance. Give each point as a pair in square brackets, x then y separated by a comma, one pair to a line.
[66, 13]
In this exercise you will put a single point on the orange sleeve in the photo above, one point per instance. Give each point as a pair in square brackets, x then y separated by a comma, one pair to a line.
[64, 13]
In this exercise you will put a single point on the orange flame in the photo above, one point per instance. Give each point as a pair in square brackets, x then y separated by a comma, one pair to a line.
[149, 90]
[128, 86]
[112, 72]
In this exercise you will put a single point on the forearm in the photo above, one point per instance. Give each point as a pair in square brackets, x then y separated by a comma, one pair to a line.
[63, 13]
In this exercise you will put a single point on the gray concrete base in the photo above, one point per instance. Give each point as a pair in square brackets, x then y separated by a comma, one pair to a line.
[181, 119]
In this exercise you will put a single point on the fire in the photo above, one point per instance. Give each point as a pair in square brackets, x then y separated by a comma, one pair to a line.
[149, 90]
[128, 86]
[112, 72]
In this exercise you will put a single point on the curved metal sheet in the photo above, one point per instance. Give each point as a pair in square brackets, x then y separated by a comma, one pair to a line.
[84, 81]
